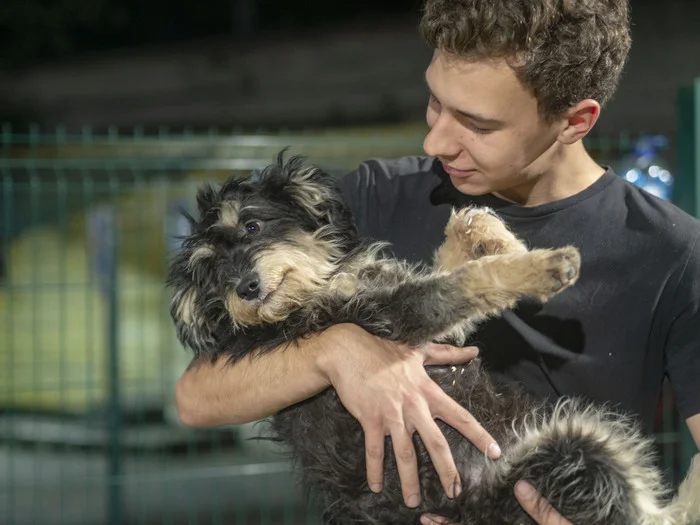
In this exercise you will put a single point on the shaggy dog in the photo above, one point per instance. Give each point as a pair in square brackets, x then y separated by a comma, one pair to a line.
[274, 259]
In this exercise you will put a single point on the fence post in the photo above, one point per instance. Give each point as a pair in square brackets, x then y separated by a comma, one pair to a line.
[687, 193]
[688, 196]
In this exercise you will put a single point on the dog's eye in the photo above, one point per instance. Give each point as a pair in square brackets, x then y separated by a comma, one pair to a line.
[252, 227]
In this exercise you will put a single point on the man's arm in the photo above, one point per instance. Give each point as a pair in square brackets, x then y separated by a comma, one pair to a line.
[215, 394]
[682, 352]
[694, 427]
[384, 385]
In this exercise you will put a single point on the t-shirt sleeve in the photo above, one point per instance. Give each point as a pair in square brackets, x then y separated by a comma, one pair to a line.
[371, 192]
[683, 343]
[352, 187]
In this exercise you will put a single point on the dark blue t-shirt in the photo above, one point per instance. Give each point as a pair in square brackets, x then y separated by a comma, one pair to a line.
[632, 318]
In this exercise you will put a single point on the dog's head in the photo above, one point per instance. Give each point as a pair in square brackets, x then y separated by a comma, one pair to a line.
[260, 248]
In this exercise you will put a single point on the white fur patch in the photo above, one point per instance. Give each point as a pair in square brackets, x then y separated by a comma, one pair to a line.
[619, 438]
[688, 499]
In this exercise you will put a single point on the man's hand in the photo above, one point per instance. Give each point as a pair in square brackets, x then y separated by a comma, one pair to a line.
[384, 385]
[537, 507]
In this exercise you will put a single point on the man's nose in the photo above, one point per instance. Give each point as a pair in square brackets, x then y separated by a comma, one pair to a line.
[443, 139]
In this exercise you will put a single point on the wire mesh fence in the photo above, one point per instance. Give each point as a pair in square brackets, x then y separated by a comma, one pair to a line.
[88, 355]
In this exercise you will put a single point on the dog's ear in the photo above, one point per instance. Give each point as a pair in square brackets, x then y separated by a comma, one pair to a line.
[194, 308]
[207, 199]
[339, 215]
[309, 188]
[316, 191]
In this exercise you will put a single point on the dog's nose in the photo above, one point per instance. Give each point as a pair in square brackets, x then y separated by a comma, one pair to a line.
[249, 287]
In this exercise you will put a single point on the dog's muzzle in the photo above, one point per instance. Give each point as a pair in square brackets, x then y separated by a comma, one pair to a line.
[249, 287]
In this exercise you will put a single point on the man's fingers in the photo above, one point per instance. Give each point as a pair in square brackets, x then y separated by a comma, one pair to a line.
[374, 456]
[439, 451]
[432, 519]
[452, 413]
[536, 506]
[407, 465]
[437, 354]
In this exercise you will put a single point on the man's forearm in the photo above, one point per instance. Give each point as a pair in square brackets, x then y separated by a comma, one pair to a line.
[694, 427]
[209, 395]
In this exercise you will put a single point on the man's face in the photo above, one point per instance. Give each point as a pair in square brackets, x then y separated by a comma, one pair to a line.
[485, 127]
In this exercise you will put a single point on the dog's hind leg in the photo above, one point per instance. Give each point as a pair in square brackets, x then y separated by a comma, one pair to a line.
[591, 463]
[419, 309]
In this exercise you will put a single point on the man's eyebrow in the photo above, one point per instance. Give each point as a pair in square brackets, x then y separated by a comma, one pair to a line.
[471, 116]
[478, 118]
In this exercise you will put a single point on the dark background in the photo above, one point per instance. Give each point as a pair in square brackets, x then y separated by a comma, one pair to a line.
[34, 31]
[239, 63]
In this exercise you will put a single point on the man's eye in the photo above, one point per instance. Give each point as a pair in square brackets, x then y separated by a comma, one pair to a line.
[252, 227]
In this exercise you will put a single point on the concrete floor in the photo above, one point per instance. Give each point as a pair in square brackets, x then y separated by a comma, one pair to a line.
[70, 488]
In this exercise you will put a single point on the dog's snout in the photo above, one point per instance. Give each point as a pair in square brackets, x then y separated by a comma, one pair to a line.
[249, 287]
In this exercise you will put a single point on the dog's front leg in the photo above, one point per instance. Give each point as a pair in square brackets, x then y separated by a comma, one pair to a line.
[420, 309]
[472, 233]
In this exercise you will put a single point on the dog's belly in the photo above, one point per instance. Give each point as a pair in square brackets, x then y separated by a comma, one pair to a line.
[328, 445]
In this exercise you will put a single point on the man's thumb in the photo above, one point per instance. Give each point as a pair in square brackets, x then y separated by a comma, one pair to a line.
[440, 354]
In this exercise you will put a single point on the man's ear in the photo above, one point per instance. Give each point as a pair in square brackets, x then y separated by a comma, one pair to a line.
[579, 120]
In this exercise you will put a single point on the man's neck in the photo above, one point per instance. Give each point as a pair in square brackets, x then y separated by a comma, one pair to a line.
[569, 170]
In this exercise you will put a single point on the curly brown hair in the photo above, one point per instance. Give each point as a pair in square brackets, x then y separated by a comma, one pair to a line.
[563, 51]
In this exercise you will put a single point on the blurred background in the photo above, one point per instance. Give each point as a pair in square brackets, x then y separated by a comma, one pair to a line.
[111, 113]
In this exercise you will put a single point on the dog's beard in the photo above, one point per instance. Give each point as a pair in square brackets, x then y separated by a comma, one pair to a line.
[291, 273]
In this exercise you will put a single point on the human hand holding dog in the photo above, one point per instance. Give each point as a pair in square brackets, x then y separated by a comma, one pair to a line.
[384, 385]
[537, 508]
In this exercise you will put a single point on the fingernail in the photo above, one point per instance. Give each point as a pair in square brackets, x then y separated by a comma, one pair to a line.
[524, 490]
[456, 489]
[377, 487]
[425, 520]
[494, 451]
[414, 501]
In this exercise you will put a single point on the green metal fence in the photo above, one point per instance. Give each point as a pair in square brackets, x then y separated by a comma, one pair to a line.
[88, 356]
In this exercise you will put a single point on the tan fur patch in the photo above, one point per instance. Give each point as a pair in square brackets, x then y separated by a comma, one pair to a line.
[308, 195]
[201, 252]
[472, 233]
[495, 282]
[229, 213]
[291, 274]
[242, 313]
[186, 305]
[348, 278]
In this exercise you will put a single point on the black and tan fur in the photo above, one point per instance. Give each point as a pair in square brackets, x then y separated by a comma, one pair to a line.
[273, 260]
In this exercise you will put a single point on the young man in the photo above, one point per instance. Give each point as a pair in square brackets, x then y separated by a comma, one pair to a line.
[514, 87]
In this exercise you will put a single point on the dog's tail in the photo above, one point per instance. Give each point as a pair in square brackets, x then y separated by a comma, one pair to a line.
[593, 465]
[686, 504]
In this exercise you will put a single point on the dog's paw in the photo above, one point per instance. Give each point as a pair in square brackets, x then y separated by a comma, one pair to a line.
[558, 269]
[478, 231]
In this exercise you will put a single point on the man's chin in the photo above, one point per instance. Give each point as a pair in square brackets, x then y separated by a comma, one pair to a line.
[472, 185]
